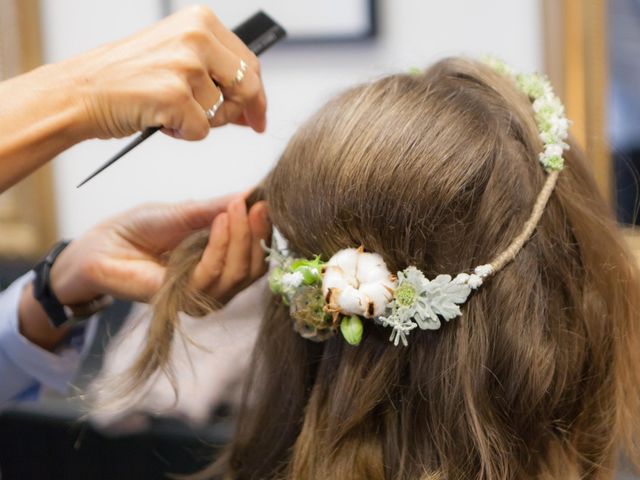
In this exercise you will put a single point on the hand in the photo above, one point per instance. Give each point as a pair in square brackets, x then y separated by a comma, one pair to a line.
[125, 255]
[164, 76]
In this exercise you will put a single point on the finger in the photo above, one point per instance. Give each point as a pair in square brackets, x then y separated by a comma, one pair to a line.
[137, 281]
[241, 120]
[249, 93]
[237, 264]
[211, 265]
[260, 231]
[229, 112]
[189, 122]
[198, 214]
[256, 107]
[206, 93]
[222, 65]
[231, 41]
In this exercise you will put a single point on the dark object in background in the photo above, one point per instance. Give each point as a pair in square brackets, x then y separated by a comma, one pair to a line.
[47, 447]
[11, 269]
[627, 176]
[49, 440]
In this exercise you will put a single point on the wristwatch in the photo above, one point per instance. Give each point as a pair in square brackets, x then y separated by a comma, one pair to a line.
[59, 314]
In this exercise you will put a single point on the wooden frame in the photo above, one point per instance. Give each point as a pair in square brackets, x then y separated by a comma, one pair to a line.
[577, 62]
[27, 212]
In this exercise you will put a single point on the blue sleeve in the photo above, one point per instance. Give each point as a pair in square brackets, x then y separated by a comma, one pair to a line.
[23, 365]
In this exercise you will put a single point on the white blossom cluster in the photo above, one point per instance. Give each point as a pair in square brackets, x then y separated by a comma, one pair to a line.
[553, 125]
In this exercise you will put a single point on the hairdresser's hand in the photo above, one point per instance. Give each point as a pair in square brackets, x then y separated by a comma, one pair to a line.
[164, 76]
[125, 255]
[234, 258]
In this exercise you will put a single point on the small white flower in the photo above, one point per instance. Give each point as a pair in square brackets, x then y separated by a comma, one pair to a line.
[483, 271]
[357, 283]
[533, 85]
[548, 106]
[553, 150]
[560, 127]
[499, 66]
[401, 325]
[291, 281]
[474, 281]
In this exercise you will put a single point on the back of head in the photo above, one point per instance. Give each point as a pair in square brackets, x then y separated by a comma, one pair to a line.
[536, 378]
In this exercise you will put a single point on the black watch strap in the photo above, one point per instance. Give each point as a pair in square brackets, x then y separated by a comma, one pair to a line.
[42, 286]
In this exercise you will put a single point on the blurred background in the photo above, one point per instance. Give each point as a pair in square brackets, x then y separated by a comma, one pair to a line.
[378, 37]
[589, 48]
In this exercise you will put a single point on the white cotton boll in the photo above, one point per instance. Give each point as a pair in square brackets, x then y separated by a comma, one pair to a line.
[371, 268]
[346, 259]
[357, 283]
[351, 301]
[334, 277]
[379, 294]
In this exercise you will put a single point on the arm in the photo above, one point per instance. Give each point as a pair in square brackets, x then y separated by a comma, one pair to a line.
[39, 118]
[162, 76]
[124, 257]
[23, 364]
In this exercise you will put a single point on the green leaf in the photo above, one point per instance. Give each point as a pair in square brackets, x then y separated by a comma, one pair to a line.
[311, 270]
[351, 329]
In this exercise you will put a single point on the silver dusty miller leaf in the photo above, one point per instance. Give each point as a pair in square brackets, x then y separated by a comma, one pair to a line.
[440, 297]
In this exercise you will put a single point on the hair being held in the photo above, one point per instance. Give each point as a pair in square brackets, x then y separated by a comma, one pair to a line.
[537, 379]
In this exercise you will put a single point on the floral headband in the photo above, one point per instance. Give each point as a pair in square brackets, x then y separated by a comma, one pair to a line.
[353, 285]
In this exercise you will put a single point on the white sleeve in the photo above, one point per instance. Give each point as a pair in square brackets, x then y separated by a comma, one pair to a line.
[23, 364]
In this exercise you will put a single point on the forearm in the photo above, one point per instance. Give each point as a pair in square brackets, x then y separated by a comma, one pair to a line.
[24, 363]
[41, 115]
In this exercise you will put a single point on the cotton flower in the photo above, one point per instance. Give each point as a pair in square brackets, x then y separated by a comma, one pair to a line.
[357, 283]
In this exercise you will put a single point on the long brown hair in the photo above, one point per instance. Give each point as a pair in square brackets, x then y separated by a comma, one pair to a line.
[539, 378]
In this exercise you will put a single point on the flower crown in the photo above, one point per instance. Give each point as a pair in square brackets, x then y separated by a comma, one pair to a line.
[354, 285]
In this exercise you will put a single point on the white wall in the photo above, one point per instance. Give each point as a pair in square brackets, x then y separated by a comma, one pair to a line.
[297, 79]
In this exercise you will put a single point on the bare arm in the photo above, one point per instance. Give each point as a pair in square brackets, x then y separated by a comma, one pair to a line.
[162, 76]
[39, 118]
